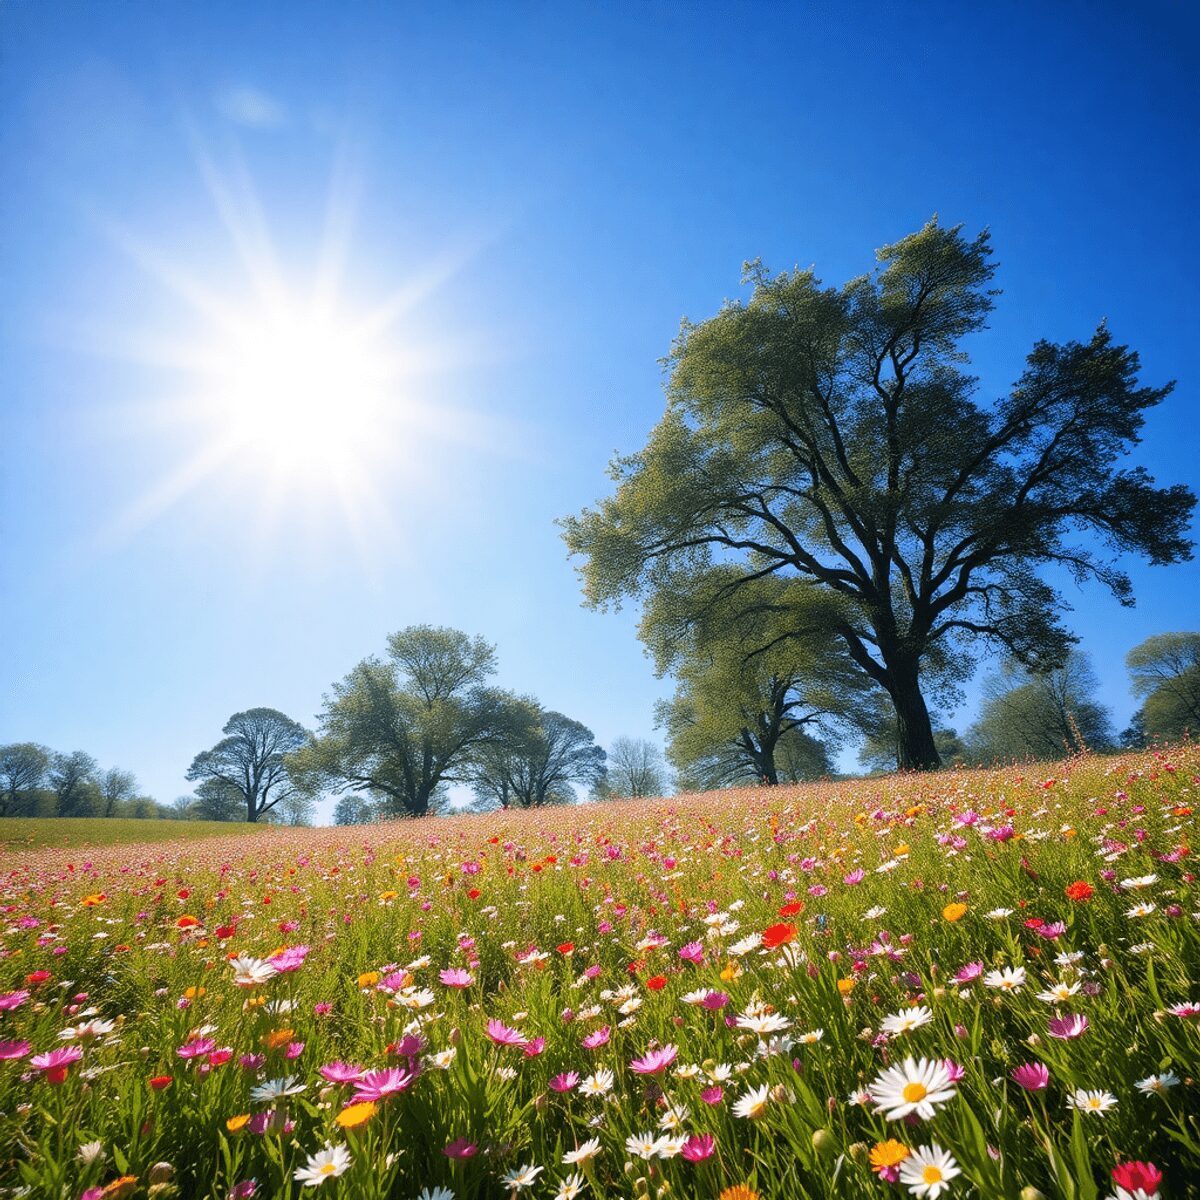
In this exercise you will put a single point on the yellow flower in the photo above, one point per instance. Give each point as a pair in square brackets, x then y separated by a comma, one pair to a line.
[277, 1038]
[954, 912]
[388, 895]
[368, 979]
[193, 993]
[94, 899]
[888, 1154]
[731, 972]
[901, 850]
[236, 1123]
[356, 1114]
[846, 986]
[739, 1191]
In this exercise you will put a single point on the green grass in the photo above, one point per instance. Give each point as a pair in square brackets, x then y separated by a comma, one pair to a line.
[37, 833]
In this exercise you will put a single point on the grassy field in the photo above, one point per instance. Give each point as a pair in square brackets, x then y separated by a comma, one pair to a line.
[34, 833]
[968, 984]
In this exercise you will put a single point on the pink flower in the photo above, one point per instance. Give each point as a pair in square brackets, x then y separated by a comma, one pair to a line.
[971, 971]
[340, 1072]
[291, 959]
[715, 1001]
[379, 1085]
[1033, 1077]
[55, 1062]
[294, 1050]
[654, 1062]
[564, 1082]
[1188, 1010]
[503, 1035]
[243, 1190]
[456, 977]
[699, 1147]
[855, 876]
[534, 1047]
[693, 952]
[218, 1058]
[11, 1000]
[251, 1062]
[712, 1095]
[953, 1069]
[598, 1038]
[1053, 930]
[323, 1009]
[14, 1049]
[1137, 1177]
[460, 1148]
[1065, 1028]
[197, 1048]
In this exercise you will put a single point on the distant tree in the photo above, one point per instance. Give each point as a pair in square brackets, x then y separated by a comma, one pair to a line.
[251, 758]
[145, 808]
[116, 787]
[73, 782]
[800, 757]
[353, 810]
[832, 436]
[183, 808]
[536, 762]
[217, 800]
[296, 808]
[403, 728]
[635, 768]
[1042, 714]
[23, 769]
[1165, 670]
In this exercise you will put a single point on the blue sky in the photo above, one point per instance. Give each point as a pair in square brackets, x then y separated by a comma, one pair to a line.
[536, 194]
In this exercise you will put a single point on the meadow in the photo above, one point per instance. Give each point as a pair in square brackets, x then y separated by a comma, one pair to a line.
[975, 984]
[34, 833]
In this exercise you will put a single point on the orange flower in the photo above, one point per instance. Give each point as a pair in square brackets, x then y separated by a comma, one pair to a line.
[368, 979]
[126, 1185]
[888, 1154]
[94, 899]
[355, 1115]
[1079, 890]
[234, 1124]
[846, 986]
[954, 912]
[656, 983]
[193, 992]
[187, 921]
[790, 910]
[277, 1038]
[739, 1191]
[778, 935]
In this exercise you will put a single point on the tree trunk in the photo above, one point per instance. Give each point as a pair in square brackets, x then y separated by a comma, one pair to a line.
[915, 750]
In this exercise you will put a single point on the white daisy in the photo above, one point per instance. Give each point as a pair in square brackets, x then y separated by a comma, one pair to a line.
[906, 1020]
[278, 1089]
[766, 1023]
[250, 972]
[1157, 1085]
[642, 1145]
[1058, 993]
[915, 1086]
[1011, 979]
[327, 1163]
[1097, 1103]
[582, 1153]
[927, 1171]
[522, 1177]
[753, 1104]
[598, 1084]
[570, 1187]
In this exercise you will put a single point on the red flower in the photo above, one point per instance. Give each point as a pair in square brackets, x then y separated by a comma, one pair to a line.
[778, 935]
[158, 1082]
[183, 893]
[37, 977]
[566, 947]
[1079, 890]
[474, 893]
[1137, 1176]
[790, 910]
[656, 983]
[226, 931]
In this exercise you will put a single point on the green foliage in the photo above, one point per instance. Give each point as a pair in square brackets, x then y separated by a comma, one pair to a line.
[1165, 671]
[403, 728]
[1046, 714]
[831, 437]
[35, 833]
[23, 767]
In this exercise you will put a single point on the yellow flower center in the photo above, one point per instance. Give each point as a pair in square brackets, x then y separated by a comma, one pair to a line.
[932, 1174]
[914, 1093]
[327, 1168]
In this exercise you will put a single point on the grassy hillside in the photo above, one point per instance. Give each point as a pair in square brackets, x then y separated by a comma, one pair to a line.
[35, 833]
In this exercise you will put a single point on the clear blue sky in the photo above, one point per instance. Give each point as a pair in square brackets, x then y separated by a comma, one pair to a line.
[540, 192]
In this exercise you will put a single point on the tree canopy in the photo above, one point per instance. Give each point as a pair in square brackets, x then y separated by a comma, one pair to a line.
[1165, 671]
[251, 759]
[832, 437]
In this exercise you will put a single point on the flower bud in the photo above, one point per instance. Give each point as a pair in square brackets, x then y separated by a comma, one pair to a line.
[823, 1143]
[860, 1153]
[161, 1172]
[1031, 1193]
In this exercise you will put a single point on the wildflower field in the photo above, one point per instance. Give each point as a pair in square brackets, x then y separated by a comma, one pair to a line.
[977, 984]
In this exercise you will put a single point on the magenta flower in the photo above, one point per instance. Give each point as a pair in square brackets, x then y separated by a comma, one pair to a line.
[197, 1048]
[504, 1035]
[564, 1082]
[971, 971]
[654, 1062]
[55, 1062]
[340, 1072]
[713, 1095]
[693, 952]
[1052, 930]
[14, 1049]
[534, 1047]
[252, 1062]
[11, 1000]
[243, 1190]
[294, 1050]
[699, 1147]
[1033, 1077]
[855, 876]
[322, 1009]
[1188, 1010]
[379, 1085]
[953, 1069]
[460, 1148]
[598, 1038]
[456, 977]
[291, 959]
[1068, 1027]
[714, 1001]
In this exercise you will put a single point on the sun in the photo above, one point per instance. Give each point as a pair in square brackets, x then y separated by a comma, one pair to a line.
[301, 391]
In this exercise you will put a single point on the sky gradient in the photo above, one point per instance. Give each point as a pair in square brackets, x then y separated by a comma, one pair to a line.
[528, 198]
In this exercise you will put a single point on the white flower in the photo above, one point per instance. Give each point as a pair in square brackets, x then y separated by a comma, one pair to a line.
[1068, 958]
[998, 914]
[570, 1187]
[250, 972]
[1058, 993]
[669, 1147]
[767, 1023]
[873, 914]
[443, 1058]
[674, 1118]
[808, 1039]
[437, 1193]
[720, 1073]
[927, 1171]
[1011, 979]
[1141, 881]
[582, 1153]
[278, 1089]
[598, 1084]
[522, 1177]
[754, 1103]
[1157, 1085]
[745, 945]
[87, 1030]
[1140, 910]
[907, 1020]
[91, 1152]
[642, 1145]
[328, 1163]
[1096, 1103]
[915, 1086]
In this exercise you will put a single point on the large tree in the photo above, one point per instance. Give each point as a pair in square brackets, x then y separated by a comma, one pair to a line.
[1040, 714]
[251, 758]
[117, 788]
[537, 762]
[23, 767]
[833, 436]
[1165, 671]
[73, 781]
[404, 727]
